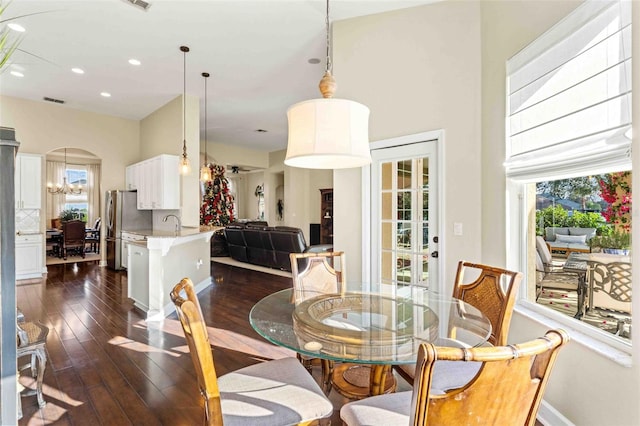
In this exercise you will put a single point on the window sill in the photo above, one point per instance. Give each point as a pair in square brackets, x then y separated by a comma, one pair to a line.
[585, 335]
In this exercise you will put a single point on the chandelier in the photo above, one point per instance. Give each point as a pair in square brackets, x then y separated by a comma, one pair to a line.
[64, 187]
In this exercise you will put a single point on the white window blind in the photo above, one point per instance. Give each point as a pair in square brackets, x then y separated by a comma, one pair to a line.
[569, 95]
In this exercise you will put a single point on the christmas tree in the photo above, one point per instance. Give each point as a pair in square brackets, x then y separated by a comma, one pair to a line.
[217, 201]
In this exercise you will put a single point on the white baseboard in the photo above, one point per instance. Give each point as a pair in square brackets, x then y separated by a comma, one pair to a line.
[169, 308]
[549, 416]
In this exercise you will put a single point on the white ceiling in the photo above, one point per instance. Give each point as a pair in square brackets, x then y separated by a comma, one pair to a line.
[257, 53]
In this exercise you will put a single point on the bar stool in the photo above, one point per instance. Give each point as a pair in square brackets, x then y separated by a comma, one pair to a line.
[32, 338]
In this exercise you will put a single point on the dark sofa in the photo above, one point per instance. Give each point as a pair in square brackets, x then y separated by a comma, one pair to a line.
[264, 245]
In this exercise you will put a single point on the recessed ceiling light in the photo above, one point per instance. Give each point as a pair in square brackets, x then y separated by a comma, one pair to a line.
[134, 61]
[261, 130]
[105, 94]
[16, 27]
[77, 70]
[17, 74]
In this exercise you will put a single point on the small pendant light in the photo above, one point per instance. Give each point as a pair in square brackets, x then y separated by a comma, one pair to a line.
[205, 171]
[185, 167]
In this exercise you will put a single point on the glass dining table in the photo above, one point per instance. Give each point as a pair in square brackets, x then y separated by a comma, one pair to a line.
[380, 329]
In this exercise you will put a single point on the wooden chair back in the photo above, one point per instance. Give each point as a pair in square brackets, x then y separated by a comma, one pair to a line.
[314, 274]
[493, 292]
[507, 390]
[73, 232]
[195, 332]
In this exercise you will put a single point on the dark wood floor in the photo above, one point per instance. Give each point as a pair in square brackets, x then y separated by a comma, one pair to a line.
[108, 366]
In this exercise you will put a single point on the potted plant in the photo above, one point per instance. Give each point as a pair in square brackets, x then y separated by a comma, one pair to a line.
[615, 243]
[69, 214]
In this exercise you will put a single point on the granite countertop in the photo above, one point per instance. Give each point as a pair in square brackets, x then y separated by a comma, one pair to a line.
[183, 232]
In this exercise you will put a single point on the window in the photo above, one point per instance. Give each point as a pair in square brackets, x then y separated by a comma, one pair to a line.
[569, 169]
[77, 175]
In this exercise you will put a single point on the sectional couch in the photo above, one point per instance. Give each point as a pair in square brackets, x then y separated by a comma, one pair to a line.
[264, 245]
[568, 239]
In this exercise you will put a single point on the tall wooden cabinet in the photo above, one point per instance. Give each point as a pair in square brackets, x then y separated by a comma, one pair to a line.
[326, 216]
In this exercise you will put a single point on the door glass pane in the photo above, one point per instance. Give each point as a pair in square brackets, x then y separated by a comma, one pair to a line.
[387, 176]
[387, 205]
[386, 237]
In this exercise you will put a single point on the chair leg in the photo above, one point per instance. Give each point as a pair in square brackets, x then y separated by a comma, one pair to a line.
[42, 364]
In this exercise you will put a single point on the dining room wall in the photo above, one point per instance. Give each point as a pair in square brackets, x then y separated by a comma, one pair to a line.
[418, 70]
[442, 66]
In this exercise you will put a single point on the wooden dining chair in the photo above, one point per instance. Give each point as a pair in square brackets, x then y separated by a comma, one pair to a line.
[314, 274]
[73, 237]
[493, 291]
[318, 273]
[278, 392]
[507, 389]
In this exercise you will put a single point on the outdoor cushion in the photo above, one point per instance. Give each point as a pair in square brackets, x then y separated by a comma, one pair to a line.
[588, 232]
[552, 231]
[577, 239]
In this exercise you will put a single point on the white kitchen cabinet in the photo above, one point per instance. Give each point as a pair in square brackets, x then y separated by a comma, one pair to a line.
[132, 177]
[29, 256]
[158, 183]
[28, 185]
[138, 275]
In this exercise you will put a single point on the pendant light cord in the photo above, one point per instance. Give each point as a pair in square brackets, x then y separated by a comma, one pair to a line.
[184, 50]
[205, 75]
[328, 40]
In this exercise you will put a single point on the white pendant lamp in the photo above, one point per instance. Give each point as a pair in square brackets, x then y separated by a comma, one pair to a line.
[328, 133]
[205, 171]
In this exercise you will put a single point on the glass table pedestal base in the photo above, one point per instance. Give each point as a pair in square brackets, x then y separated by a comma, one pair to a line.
[354, 380]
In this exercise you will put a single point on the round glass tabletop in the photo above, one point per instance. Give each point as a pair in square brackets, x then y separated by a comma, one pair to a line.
[369, 328]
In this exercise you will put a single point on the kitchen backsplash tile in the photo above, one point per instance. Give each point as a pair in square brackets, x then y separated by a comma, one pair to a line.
[28, 220]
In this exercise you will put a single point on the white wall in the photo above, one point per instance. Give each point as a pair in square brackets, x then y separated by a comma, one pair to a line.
[425, 68]
[585, 387]
[42, 127]
[161, 133]
[417, 70]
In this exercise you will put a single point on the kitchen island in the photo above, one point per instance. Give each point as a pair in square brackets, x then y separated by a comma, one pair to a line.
[156, 264]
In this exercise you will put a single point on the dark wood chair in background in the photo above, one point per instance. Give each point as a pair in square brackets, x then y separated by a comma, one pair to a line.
[92, 237]
[507, 389]
[73, 237]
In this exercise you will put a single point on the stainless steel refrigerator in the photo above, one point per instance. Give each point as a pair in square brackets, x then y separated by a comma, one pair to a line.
[122, 214]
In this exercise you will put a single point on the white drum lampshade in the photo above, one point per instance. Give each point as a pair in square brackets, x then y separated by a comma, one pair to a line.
[328, 133]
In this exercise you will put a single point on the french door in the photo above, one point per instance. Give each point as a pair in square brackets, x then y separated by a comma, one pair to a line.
[404, 217]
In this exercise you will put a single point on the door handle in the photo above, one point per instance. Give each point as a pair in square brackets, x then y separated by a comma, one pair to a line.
[434, 253]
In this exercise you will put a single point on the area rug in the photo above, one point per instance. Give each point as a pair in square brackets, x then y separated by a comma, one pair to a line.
[566, 302]
[244, 265]
[88, 257]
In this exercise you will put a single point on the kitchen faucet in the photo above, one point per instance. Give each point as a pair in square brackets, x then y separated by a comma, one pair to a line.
[178, 224]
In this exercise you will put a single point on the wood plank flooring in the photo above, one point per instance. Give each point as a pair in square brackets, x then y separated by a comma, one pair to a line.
[106, 365]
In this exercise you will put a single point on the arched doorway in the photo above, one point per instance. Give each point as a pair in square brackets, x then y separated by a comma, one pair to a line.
[73, 179]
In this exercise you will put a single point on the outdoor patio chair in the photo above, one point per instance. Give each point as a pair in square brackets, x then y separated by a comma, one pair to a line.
[610, 291]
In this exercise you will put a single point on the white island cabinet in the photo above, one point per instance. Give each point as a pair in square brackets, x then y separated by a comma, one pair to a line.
[156, 265]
